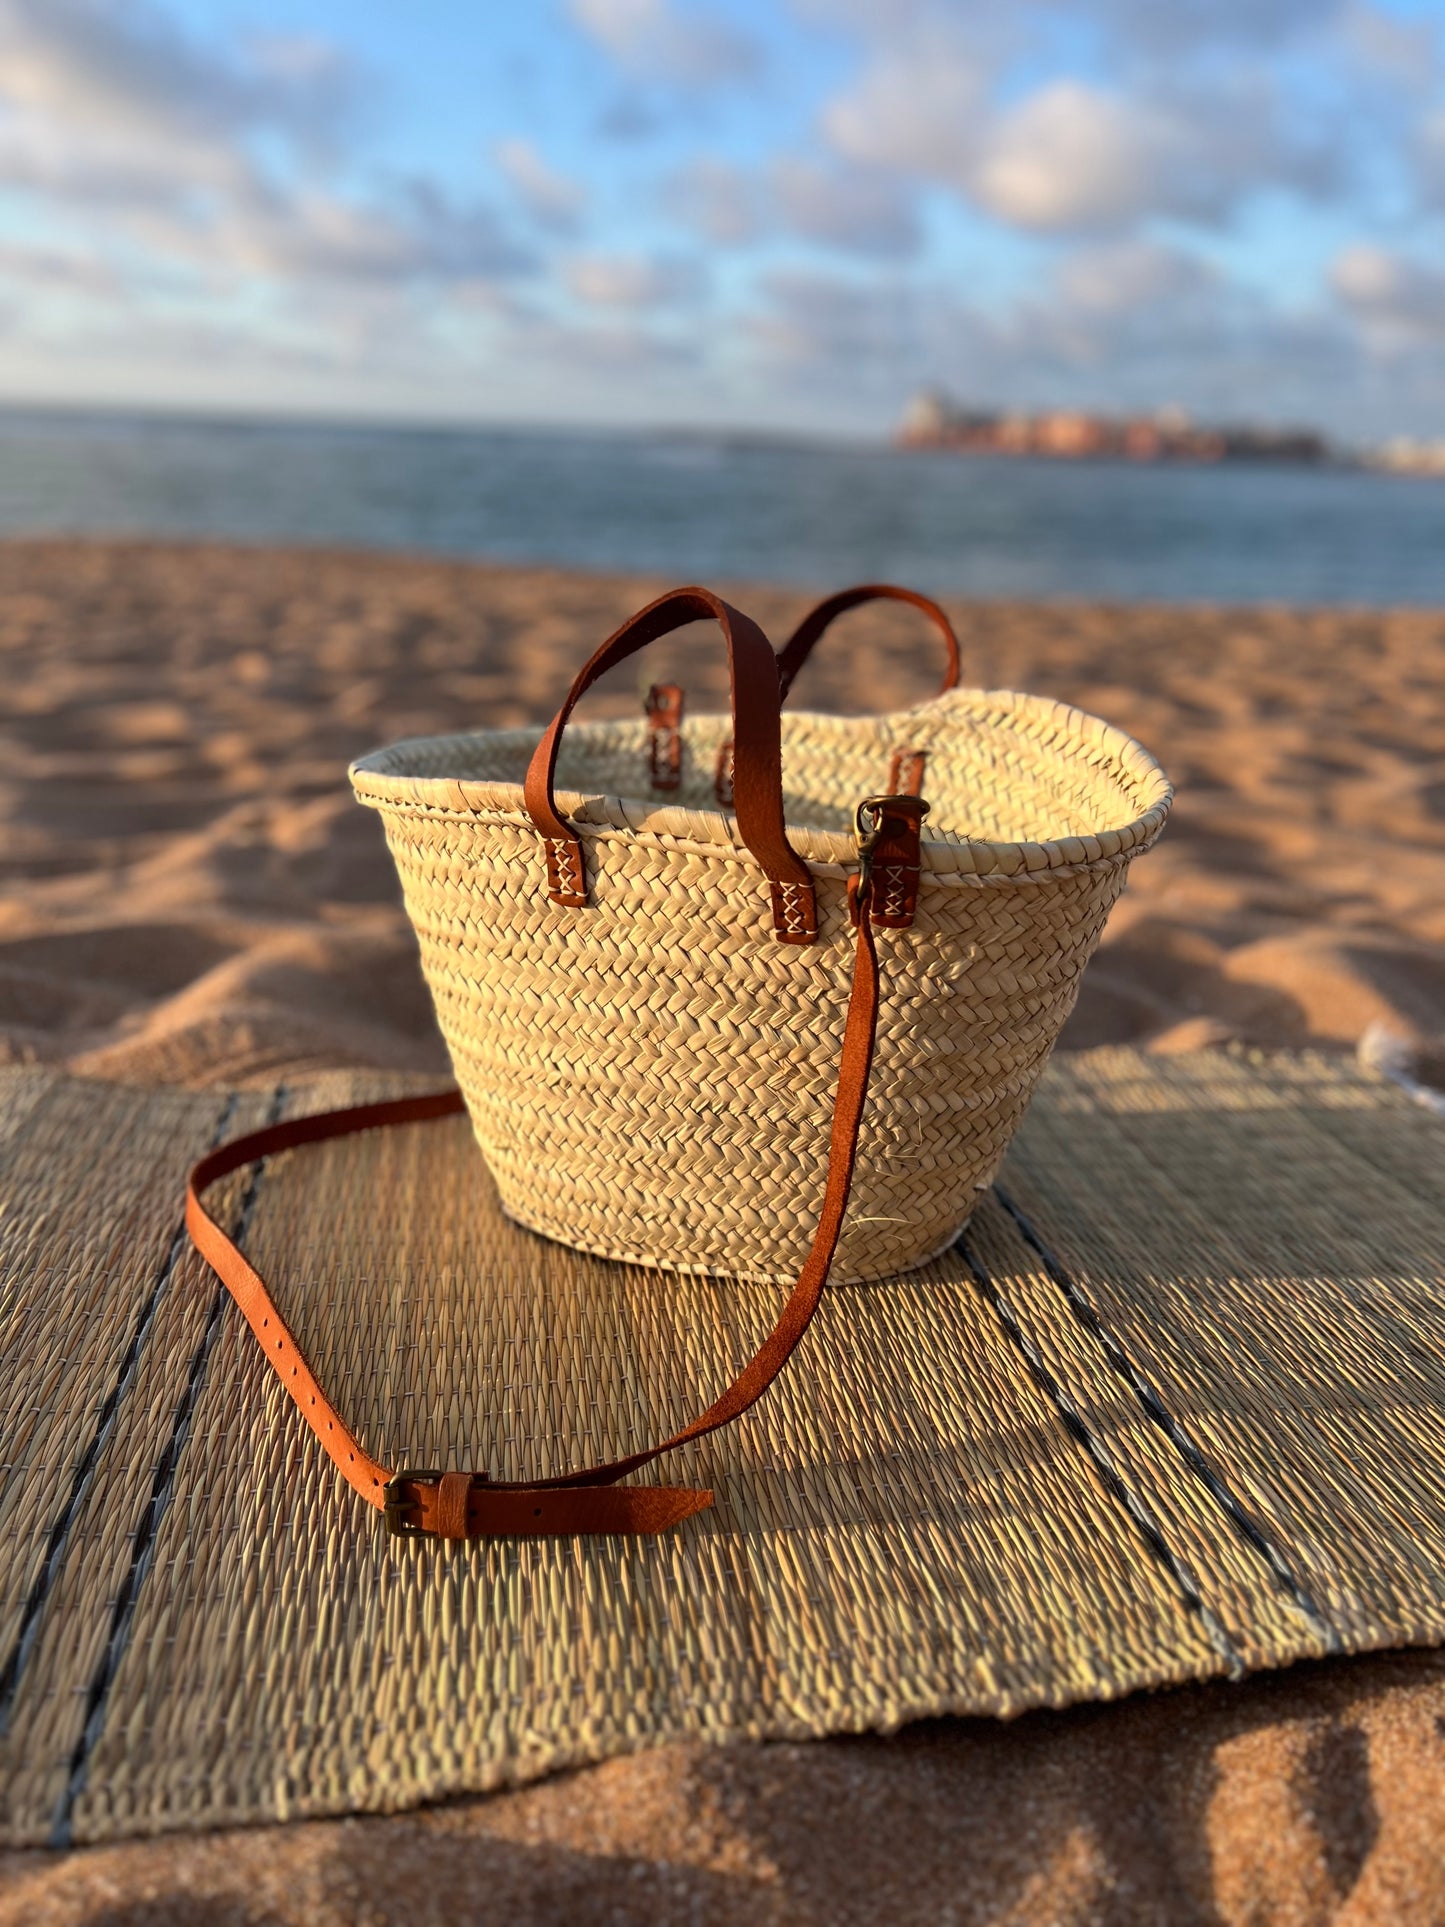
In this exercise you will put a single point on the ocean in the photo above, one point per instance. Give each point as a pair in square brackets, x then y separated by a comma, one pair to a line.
[702, 507]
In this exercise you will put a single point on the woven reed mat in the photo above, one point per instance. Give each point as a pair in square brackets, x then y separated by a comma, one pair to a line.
[1175, 1407]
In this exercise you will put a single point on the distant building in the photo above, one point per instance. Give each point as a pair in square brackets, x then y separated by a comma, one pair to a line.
[1144, 441]
[1246, 444]
[926, 419]
[1407, 456]
[933, 420]
[1068, 433]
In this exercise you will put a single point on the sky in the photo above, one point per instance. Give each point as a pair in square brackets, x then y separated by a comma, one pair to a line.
[777, 215]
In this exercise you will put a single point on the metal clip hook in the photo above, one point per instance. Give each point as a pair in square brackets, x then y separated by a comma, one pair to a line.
[868, 825]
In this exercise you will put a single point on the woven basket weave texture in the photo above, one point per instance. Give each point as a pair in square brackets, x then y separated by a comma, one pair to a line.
[651, 1078]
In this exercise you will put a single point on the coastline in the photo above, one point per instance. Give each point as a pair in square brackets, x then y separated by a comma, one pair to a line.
[710, 508]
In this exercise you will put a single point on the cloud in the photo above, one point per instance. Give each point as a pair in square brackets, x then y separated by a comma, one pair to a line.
[132, 69]
[656, 41]
[306, 234]
[632, 280]
[850, 209]
[47, 270]
[1075, 158]
[552, 199]
[216, 195]
[854, 210]
[1135, 311]
[916, 108]
[116, 117]
[315, 235]
[1402, 51]
[1399, 302]
[833, 332]
[627, 118]
[612, 347]
[1123, 277]
[106, 104]
[1120, 324]
[1429, 158]
[1070, 156]
[1133, 27]
[716, 199]
[1180, 26]
[97, 168]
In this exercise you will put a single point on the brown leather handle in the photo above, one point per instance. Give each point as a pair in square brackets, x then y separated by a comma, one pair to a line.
[460, 1505]
[907, 767]
[758, 757]
[799, 645]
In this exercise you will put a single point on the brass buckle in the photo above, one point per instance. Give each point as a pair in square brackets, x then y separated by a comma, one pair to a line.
[868, 825]
[400, 1507]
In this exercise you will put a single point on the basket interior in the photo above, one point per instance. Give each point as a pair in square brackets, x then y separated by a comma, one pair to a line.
[1001, 767]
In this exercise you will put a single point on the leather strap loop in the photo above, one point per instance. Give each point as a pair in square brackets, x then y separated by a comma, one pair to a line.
[453, 1492]
[758, 758]
[722, 779]
[892, 860]
[663, 709]
[457, 1505]
[906, 772]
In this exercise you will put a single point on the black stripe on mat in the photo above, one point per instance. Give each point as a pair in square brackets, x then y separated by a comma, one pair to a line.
[1144, 1522]
[58, 1543]
[163, 1485]
[1248, 1528]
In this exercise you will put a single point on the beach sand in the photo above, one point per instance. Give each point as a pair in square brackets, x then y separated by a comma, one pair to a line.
[191, 896]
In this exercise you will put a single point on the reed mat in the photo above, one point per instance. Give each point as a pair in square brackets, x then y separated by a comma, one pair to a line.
[1174, 1407]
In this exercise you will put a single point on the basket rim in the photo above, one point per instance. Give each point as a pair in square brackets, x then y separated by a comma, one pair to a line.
[382, 779]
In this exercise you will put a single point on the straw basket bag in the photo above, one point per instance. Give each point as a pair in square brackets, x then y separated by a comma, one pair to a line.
[779, 1025]
[644, 996]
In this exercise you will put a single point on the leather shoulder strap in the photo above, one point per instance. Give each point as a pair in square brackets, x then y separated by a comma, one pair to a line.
[472, 1505]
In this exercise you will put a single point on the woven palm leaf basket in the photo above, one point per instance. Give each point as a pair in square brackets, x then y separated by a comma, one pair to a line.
[650, 1073]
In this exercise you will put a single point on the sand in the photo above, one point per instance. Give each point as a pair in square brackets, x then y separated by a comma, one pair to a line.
[192, 897]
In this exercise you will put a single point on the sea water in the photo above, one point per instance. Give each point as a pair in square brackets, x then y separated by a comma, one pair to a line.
[715, 508]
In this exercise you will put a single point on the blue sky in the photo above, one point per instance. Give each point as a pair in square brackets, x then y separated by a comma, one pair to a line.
[787, 215]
